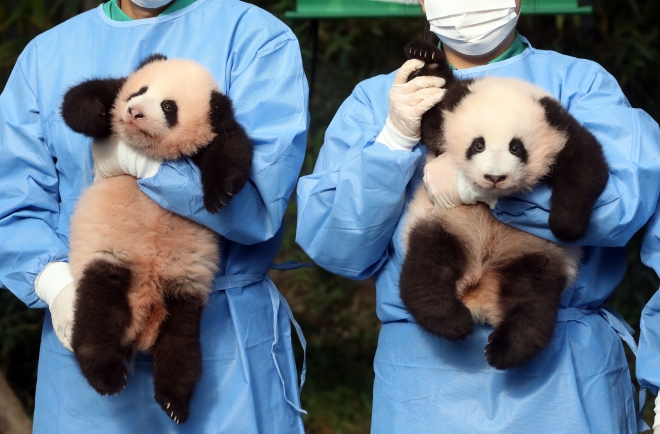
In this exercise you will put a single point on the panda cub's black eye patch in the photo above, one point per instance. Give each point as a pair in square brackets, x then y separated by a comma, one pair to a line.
[142, 91]
[170, 109]
[517, 148]
[478, 146]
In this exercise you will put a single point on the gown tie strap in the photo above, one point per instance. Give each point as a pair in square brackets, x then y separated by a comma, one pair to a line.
[222, 283]
[622, 328]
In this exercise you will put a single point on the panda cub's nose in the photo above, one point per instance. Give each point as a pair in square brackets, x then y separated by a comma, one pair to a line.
[135, 113]
[495, 178]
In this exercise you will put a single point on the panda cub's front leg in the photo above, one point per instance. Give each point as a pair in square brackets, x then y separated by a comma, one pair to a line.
[434, 262]
[226, 162]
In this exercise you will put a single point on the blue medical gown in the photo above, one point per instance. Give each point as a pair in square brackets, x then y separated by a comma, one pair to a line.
[351, 212]
[249, 383]
[648, 357]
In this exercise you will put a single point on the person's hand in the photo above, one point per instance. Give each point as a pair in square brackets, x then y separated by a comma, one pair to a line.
[112, 157]
[55, 286]
[61, 313]
[408, 101]
[448, 187]
[656, 421]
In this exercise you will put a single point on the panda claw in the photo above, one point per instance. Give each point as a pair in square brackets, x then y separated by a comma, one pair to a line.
[168, 406]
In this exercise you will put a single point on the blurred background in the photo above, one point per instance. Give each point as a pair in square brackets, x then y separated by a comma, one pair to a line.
[338, 316]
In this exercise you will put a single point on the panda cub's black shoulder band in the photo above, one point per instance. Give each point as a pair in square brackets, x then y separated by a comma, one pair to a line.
[156, 57]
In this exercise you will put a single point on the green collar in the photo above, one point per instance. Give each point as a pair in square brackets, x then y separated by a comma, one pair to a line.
[114, 12]
[516, 48]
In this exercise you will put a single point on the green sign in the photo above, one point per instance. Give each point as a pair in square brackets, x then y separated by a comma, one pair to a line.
[320, 9]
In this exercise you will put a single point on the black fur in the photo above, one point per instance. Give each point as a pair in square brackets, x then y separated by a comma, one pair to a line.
[156, 57]
[177, 353]
[171, 111]
[226, 162]
[86, 106]
[102, 314]
[522, 152]
[434, 262]
[142, 91]
[578, 177]
[436, 65]
[475, 147]
[530, 294]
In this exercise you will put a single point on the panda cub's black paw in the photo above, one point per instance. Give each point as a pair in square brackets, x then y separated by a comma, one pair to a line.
[107, 378]
[174, 399]
[218, 192]
[424, 50]
[509, 347]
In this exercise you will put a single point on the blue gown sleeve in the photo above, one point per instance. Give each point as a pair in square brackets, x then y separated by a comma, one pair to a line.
[630, 139]
[349, 207]
[648, 354]
[29, 188]
[270, 101]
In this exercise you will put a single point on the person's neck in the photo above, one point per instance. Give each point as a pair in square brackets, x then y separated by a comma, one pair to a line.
[138, 12]
[462, 61]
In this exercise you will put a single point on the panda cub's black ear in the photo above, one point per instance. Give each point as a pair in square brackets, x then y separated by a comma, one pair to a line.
[86, 106]
[156, 57]
[578, 177]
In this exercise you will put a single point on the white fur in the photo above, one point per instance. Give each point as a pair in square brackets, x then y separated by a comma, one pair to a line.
[499, 110]
[183, 81]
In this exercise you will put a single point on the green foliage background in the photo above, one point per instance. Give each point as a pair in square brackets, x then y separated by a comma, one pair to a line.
[338, 316]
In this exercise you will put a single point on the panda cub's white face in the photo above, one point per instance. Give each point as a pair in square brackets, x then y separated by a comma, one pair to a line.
[499, 136]
[163, 108]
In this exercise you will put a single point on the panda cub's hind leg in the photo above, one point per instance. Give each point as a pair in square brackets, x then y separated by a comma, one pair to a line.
[177, 353]
[530, 292]
[434, 262]
[101, 316]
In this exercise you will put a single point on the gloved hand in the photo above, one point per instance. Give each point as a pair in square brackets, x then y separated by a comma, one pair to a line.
[61, 312]
[408, 101]
[448, 187]
[656, 422]
[113, 157]
[54, 285]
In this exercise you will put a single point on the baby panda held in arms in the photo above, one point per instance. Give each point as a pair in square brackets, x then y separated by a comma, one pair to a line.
[462, 265]
[143, 273]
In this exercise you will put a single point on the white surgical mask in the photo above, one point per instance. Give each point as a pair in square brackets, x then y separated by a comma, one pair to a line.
[151, 4]
[472, 27]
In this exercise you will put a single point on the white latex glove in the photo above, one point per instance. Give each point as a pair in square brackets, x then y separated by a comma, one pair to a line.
[448, 187]
[408, 101]
[113, 157]
[656, 421]
[54, 285]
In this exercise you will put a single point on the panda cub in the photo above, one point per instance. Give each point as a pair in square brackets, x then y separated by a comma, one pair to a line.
[462, 265]
[143, 274]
